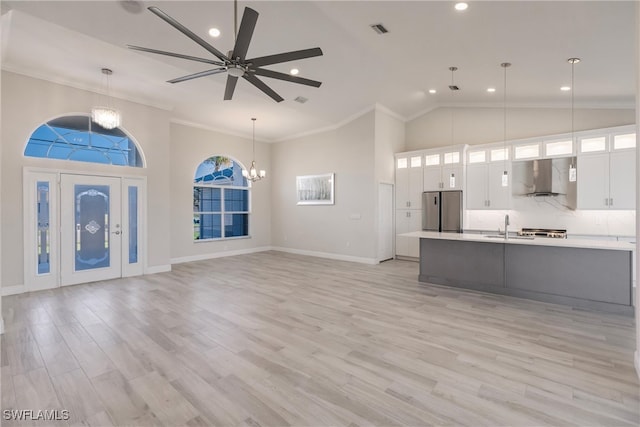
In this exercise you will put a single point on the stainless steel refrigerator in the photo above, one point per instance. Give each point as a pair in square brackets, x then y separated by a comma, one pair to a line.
[442, 211]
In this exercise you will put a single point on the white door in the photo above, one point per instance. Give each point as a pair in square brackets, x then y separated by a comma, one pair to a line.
[385, 222]
[90, 227]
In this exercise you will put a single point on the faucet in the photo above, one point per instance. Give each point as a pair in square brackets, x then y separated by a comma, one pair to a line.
[506, 227]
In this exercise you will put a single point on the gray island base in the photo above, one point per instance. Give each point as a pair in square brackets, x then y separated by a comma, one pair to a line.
[584, 277]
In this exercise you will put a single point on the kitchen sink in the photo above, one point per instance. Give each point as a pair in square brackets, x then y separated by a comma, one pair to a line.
[497, 236]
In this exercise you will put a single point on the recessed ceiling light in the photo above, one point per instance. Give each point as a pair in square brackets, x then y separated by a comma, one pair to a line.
[432, 91]
[565, 88]
[461, 6]
[214, 32]
[294, 71]
[491, 89]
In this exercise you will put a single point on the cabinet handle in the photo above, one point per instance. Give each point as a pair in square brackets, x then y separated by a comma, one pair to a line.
[408, 204]
[606, 202]
[488, 202]
[611, 202]
[408, 214]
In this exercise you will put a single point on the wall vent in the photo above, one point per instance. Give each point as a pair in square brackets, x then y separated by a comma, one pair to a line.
[379, 28]
[301, 99]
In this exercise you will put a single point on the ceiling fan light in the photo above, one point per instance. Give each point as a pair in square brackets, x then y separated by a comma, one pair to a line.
[236, 71]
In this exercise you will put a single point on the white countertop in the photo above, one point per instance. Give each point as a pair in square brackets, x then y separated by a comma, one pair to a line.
[538, 241]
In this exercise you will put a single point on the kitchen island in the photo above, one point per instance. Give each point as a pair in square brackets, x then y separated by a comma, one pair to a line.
[594, 274]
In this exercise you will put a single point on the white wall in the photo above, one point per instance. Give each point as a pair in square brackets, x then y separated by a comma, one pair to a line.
[349, 153]
[189, 147]
[485, 125]
[637, 303]
[26, 104]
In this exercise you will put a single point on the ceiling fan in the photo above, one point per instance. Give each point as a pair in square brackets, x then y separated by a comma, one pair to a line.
[235, 63]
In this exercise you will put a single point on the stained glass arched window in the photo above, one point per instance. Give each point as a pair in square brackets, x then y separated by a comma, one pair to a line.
[220, 200]
[78, 138]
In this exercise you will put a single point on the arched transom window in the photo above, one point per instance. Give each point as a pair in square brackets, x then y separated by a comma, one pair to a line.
[78, 138]
[220, 200]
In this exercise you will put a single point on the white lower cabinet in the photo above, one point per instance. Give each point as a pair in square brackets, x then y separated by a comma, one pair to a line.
[484, 186]
[407, 221]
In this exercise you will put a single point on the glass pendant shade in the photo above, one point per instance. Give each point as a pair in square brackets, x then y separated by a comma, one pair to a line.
[505, 179]
[253, 174]
[107, 117]
[452, 181]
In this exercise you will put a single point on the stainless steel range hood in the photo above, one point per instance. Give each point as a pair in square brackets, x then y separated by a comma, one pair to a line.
[545, 177]
[542, 174]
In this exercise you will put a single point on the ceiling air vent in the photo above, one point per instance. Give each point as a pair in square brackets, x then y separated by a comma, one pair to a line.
[379, 28]
[301, 99]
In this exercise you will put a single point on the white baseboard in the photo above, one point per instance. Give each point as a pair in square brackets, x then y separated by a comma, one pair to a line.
[328, 255]
[636, 362]
[201, 257]
[13, 290]
[158, 269]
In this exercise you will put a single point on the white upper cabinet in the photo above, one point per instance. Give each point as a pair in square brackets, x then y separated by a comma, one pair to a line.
[444, 169]
[593, 181]
[622, 180]
[484, 188]
[607, 169]
[409, 181]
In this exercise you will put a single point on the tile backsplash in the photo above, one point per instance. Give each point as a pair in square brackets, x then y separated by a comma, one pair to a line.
[552, 212]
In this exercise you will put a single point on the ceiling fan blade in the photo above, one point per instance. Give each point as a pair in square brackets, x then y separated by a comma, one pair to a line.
[285, 57]
[175, 55]
[247, 25]
[286, 77]
[263, 87]
[197, 75]
[187, 32]
[230, 88]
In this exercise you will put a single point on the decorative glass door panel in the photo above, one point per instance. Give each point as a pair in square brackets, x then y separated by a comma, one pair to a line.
[92, 226]
[91, 232]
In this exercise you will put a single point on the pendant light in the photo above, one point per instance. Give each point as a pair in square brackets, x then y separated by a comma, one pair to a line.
[453, 88]
[505, 173]
[572, 168]
[253, 175]
[107, 117]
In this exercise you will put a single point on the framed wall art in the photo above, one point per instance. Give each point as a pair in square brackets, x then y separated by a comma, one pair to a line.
[315, 189]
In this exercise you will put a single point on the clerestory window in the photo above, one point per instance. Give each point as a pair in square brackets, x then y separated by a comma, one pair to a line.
[78, 138]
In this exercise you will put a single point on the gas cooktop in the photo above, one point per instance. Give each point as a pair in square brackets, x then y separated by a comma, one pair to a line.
[544, 232]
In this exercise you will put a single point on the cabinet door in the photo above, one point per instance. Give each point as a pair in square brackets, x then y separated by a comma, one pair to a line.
[402, 226]
[415, 188]
[415, 224]
[593, 181]
[476, 191]
[457, 170]
[499, 196]
[432, 178]
[622, 180]
[402, 188]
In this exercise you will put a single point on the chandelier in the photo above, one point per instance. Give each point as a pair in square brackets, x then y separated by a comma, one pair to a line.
[252, 174]
[107, 117]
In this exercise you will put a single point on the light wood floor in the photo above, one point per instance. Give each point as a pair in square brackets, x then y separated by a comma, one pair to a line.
[274, 339]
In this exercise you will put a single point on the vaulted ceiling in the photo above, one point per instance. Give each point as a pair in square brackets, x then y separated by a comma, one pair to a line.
[69, 42]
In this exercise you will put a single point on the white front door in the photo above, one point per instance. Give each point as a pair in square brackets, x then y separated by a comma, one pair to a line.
[90, 228]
